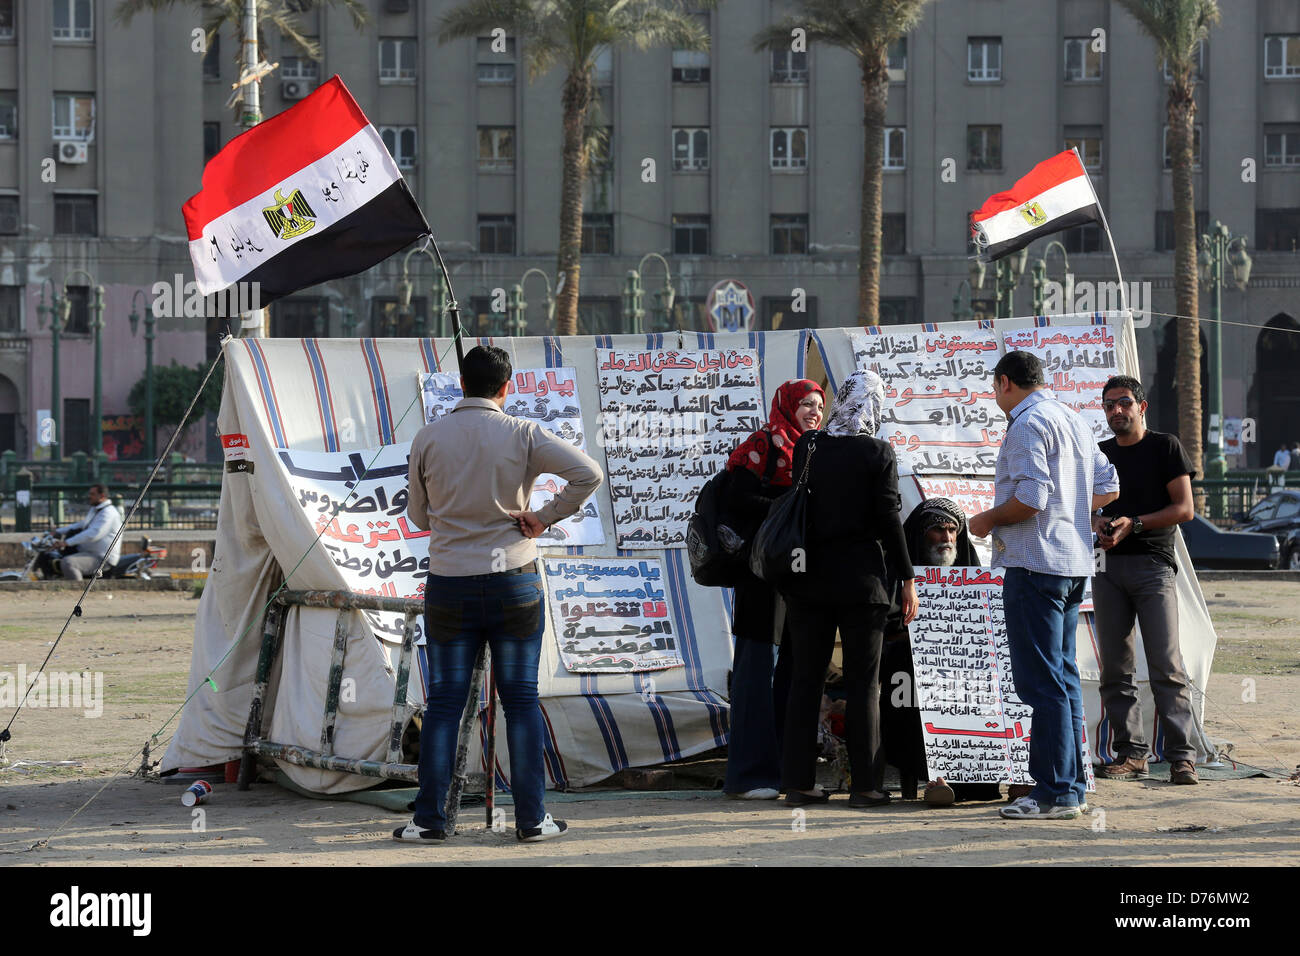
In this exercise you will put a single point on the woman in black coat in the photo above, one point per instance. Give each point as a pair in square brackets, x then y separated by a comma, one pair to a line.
[855, 553]
[759, 471]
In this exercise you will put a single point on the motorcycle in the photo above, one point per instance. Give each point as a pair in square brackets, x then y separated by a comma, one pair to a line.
[138, 565]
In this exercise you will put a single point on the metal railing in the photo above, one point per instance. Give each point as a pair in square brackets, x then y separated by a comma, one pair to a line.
[1227, 497]
[179, 506]
[80, 468]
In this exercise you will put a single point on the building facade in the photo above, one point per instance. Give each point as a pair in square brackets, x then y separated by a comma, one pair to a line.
[730, 164]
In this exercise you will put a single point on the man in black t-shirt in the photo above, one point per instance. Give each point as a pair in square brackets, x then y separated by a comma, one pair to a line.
[1136, 531]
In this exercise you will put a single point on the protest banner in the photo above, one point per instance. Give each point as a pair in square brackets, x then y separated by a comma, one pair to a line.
[1077, 360]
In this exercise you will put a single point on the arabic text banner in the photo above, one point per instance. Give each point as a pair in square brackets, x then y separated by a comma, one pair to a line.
[972, 495]
[940, 413]
[1077, 360]
[370, 539]
[548, 396]
[976, 728]
[611, 614]
[669, 419]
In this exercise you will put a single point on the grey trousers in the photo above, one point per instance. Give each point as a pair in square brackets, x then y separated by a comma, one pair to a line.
[1142, 586]
[77, 566]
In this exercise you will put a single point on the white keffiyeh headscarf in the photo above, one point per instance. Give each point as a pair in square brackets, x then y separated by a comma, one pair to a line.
[857, 405]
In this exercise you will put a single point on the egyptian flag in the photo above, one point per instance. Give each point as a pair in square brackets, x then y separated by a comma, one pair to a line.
[1055, 195]
[306, 196]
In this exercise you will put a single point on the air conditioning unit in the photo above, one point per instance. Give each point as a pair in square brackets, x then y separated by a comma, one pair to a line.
[72, 151]
[295, 89]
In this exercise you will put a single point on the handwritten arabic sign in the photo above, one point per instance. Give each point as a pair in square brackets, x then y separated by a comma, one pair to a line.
[370, 539]
[1077, 360]
[976, 728]
[972, 495]
[669, 420]
[611, 614]
[548, 396]
[940, 414]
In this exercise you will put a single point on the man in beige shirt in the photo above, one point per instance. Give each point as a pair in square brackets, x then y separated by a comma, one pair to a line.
[470, 478]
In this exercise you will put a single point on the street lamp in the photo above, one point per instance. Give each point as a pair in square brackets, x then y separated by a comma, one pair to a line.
[1039, 270]
[521, 322]
[664, 298]
[55, 312]
[976, 281]
[1218, 246]
[97, 327]
[438, 288]
[1010, 269]
[149, 322]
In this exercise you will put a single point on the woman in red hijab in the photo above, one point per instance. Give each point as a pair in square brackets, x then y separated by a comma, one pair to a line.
[759, 471]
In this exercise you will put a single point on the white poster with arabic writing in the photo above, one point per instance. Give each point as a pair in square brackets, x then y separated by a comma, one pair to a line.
[370, 539]
[940, 414]
[976, 728]
[548, 396]
[669, 420]
[1077, 360]
[972, 496]
[611, 614]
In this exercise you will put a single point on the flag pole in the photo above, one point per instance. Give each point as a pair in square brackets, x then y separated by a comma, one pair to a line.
[1123, 289]
[453, 308]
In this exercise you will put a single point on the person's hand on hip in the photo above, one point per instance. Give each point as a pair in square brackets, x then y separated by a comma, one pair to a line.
[530, 526]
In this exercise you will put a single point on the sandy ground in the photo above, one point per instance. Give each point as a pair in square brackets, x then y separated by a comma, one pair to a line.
[141, 643]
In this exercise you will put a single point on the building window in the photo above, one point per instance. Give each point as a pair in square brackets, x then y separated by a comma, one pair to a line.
[8, 115]
[7, 20]
[896, 65]
[983, 147]
[212, 58]
[389, 320]
[298, 318]
[1198, 64]
[690, 235]
[984, 59]
[74, 116]
[1082, 62]
[9, 215]
[496, 147]
[1281, 145]
[76, 426]
[78, 297]
[690, 148]
[688, 313]
[11, 309]
[790, 235]
[499, 74]
[1277, 230]
[1085, 238]
[790, 147]
[1196, 148]
[74, 20]
[893, 233]
[496, 67]
[211, 140]
[602, 67]
[402, 144]
[496, 235]
[1087, 140]
[75, 215]
[396, 60]
[692, 66]
[789, 66]
[1165, 240]
[895, 147]
[600, 316]
[299, 68]
[597, 234]
[899, 310]
[1282, 56]
[779, 313]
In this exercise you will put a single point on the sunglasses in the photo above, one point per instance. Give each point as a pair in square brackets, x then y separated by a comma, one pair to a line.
[1124, 403]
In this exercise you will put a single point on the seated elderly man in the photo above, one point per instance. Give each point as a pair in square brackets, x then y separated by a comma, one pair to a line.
[936, 535]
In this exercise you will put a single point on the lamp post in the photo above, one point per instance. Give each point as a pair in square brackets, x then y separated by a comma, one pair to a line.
[438, 288]
[55, 311]
[97, 328]
[1009, 271]
[521, 322]
[1218, 246]
[976, 281]
[1039, 270]
[149, 322]
[663, 299]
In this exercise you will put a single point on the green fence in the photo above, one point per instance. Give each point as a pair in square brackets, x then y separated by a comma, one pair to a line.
[81, 468]
[188, 506]
[1231, 496]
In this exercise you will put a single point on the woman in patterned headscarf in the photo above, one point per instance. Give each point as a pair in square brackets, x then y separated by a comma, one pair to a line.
[759, 471]
[855, 552]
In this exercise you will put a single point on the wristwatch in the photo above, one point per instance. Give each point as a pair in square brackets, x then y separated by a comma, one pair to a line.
[1137, 526]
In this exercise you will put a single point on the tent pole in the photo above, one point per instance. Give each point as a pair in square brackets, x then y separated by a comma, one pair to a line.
[272, 636]
[467, 719]
[491, 790]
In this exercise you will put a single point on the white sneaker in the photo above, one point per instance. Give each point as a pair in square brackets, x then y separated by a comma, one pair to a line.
[548, 829]
[416, 834]
[759, 793]
[1027, 808]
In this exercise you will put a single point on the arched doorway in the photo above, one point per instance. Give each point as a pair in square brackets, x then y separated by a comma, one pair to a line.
[1277, 385]
[9, 414]
[1165, 395]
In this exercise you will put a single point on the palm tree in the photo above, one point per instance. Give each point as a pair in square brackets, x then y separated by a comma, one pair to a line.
[570, 34]
[867, 29]
[1178, 27]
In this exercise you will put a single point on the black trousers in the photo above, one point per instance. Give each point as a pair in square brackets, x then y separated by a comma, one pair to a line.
[812, 638]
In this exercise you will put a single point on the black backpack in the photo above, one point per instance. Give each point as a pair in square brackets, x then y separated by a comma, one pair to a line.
[712, 564]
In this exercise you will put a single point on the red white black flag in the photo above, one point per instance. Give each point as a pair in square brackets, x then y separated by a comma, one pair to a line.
[308, 195]
[1056, 194]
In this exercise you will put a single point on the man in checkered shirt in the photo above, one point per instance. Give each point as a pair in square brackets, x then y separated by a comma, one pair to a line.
[1051, 476]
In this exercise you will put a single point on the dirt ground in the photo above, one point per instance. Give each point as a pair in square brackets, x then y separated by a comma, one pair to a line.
[141, 642]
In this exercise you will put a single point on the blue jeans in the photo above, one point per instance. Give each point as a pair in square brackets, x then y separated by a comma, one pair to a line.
[758, 695]
[1042, 613]
[460, 613]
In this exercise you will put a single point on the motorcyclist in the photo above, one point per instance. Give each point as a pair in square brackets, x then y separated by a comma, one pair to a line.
[82, 545]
